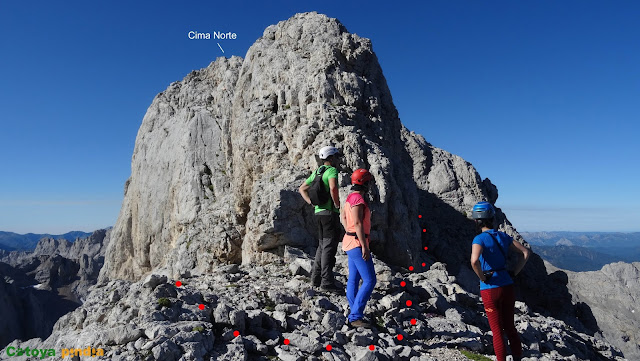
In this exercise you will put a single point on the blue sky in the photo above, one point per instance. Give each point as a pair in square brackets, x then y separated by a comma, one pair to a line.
[541, 96]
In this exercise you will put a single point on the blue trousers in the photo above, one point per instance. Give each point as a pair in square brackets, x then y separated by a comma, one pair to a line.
[357, 295]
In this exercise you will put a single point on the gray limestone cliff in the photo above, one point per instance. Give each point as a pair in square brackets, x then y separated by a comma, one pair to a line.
[611, 297]
[220, 155]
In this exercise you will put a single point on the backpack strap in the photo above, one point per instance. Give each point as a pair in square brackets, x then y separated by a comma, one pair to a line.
[501, 251]
[499, 246]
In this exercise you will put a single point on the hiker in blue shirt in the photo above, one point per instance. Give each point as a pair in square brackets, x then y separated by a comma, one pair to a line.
[489, 253]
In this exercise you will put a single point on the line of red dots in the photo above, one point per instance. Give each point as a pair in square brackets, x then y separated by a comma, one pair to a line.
[286, 341]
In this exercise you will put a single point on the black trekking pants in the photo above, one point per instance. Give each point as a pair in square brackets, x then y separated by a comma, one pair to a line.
[328, 237]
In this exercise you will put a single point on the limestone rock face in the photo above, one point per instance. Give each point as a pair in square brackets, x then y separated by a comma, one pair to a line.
[613, 297]
[220, 155]
[178, 204]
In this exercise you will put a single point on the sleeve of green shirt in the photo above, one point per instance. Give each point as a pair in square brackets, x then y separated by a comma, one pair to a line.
[310, 179]
[331, 173]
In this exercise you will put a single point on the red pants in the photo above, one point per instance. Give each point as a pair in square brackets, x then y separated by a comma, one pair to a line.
[499, 303]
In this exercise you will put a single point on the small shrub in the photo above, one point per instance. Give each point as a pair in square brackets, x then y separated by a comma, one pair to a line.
[198, 329]
[164, 302]
[287, 106]
[474, 356]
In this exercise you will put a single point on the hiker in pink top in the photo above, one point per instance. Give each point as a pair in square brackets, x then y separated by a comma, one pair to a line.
[356, 219]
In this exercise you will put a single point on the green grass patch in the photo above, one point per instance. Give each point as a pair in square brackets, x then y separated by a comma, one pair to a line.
[474, 356]
[198, 329]
[164, 302]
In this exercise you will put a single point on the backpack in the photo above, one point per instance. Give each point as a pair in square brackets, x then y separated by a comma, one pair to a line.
[317, 192]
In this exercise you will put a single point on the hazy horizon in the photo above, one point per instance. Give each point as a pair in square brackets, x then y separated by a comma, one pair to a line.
[93, 230]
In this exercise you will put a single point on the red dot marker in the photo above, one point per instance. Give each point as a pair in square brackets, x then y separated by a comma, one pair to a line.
[424, 230]
[413, 321]
[410, 268]
[426, 248]
[178, 284]
[409, 303]
[286, 341]
[419, 215]
[329, 347]
[372, 347]
[403, 283]
[236, 333]
[400, 337]
[423, 264]
[201, 306]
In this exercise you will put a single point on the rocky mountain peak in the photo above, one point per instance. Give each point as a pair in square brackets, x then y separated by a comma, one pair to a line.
[219, 157]
[216, 166]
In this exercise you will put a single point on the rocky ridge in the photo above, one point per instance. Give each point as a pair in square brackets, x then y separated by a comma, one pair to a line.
[153, 319]
[37, 288]
[612, 295]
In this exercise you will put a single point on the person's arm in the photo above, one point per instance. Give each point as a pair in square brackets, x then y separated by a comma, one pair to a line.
[357, 213]
[519, 248]
[343, 217]
[333, 190]
[304, 192]
[476, 251]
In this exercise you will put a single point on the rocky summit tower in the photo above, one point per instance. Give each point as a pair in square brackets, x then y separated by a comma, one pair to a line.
[219, 157]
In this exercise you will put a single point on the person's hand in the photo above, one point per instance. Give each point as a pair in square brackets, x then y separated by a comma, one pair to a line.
[366, 253]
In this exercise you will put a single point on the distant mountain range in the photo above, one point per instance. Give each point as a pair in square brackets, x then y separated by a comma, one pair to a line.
[583, 239]
[27, 242]
[585, 251]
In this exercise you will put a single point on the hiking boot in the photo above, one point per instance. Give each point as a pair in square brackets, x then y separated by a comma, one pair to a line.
[359, 323]
[332, 288]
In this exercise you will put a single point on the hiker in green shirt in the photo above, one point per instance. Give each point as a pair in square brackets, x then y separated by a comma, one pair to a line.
[328, 217]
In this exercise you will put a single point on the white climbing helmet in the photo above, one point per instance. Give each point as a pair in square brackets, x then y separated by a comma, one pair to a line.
[328, 151]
